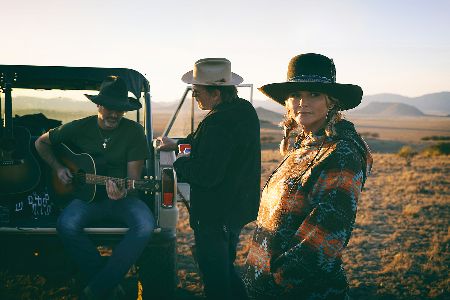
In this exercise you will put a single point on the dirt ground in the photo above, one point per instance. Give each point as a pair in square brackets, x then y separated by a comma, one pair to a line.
[400, 247]
[401, 241]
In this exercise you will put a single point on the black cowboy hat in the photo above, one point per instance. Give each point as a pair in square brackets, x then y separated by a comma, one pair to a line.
[114, 95]
[314, 72]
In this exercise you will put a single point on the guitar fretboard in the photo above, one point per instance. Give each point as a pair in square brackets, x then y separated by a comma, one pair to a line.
[101, 180]
[145, 185]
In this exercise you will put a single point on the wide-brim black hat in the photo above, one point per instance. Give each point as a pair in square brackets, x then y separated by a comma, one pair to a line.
[317, 73]
[114, 95]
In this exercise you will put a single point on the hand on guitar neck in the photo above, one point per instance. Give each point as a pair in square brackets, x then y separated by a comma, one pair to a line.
[115, 190]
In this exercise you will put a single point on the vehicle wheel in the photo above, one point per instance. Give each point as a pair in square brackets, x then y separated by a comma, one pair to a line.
[157, 271]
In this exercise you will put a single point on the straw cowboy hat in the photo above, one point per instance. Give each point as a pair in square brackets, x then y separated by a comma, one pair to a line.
[314, 72]
[114, 95]
[212, 71]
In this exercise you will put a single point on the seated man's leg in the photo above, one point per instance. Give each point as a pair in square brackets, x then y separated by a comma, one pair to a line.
[71, 222]
[138, 217]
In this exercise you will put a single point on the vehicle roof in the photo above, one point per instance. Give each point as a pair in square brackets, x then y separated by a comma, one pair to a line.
[68, 78]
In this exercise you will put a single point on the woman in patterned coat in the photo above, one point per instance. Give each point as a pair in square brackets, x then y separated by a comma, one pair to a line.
[308, 204]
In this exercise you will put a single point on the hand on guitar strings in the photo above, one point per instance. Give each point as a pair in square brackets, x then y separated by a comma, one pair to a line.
[64, 175]
[115, 191]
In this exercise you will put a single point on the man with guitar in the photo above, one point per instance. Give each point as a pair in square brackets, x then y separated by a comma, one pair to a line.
[114, 147]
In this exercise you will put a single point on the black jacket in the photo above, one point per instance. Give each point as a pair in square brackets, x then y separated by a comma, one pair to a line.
[224, 167]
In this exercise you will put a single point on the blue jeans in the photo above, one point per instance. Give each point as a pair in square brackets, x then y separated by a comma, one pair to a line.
[130, 211]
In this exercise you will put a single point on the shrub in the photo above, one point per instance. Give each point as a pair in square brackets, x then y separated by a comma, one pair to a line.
[407, 153]
[368, 134]
[436, 138]
[437, 149]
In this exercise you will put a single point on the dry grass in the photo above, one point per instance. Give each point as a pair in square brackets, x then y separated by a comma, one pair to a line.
[411, 209]
[400, 244]
[408, 129]
[400, 247]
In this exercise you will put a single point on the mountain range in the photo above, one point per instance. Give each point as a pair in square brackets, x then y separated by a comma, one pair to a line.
[385, 104]
[431, 104]
[268, 115]
[56, 104]
[389, 109]
[381, 109]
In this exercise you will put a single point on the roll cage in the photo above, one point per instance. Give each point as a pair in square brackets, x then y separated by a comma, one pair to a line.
[77, 78]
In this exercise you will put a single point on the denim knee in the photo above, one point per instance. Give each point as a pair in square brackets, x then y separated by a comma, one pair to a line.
[144, 226]
[67, 224]
[140, 218]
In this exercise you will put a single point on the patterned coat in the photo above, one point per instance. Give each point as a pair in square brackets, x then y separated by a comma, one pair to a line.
[306, 216]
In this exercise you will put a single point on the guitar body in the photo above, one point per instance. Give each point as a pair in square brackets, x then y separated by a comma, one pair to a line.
[85, 178]
[79, 165]
[19, 170]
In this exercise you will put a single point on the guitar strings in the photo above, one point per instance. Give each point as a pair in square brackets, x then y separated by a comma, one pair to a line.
[99, 179]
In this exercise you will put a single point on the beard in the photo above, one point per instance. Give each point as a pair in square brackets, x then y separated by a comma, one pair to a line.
[111, 123]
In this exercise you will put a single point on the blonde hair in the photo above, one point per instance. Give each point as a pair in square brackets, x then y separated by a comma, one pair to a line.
[290, 126]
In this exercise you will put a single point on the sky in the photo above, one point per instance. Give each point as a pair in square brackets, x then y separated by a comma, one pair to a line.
[385, 46]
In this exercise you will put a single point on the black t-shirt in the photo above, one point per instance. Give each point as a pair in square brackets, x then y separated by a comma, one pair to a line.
[125, 143]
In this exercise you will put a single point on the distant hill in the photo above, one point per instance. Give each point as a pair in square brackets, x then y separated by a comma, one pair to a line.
[267, 125]
[373, 108]
[165, 107]
[389, 109]
[55, 104]
[268, 115]
[434, 104]
[269, 105]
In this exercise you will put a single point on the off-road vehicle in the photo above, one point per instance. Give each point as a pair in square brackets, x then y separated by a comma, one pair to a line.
[28, 205]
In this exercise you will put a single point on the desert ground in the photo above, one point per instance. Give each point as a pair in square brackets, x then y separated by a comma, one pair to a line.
[400, 247]
[401, 241]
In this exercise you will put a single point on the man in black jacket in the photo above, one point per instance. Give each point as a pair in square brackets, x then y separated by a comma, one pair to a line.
[223, 170]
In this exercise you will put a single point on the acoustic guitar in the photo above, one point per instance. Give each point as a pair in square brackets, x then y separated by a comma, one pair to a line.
[85, 180]
[19, 170]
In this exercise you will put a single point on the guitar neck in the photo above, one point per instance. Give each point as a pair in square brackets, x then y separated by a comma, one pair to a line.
[142, 185]
[101, 180]
[83, 161]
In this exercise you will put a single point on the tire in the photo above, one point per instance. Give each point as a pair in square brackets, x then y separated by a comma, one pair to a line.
[157, 270]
